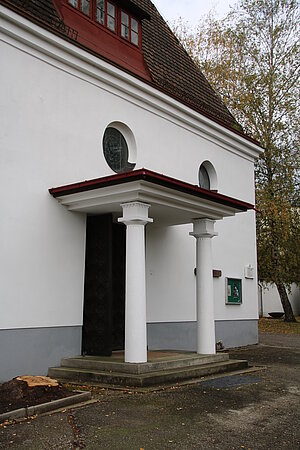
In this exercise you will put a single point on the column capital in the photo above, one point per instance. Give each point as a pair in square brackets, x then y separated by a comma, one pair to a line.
[135, 213]
[204, 228]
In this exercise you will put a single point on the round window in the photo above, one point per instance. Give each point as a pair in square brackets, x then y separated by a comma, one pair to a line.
[204, 181]
[115, 151]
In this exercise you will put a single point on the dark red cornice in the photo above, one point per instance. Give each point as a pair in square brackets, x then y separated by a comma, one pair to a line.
[151, 177]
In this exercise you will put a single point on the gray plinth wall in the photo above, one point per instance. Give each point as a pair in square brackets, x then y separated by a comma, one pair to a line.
[30, 351]
[182, 335]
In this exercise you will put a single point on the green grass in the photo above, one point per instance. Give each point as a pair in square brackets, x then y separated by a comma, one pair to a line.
[269, 325]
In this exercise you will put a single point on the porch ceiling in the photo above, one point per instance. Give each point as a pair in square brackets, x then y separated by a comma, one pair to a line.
[173, 202]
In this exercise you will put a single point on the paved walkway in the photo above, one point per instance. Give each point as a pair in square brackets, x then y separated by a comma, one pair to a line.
[288, 340]
[258, 411]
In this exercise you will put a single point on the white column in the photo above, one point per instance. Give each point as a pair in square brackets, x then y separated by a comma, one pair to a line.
[203, 231]
[135, 217]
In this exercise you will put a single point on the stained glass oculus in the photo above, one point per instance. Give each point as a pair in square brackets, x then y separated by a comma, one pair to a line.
[115, 151]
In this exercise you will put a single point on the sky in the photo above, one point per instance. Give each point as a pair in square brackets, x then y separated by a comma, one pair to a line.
[191, 10]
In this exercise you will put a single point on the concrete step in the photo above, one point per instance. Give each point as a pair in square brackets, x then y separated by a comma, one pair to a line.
[108, 364]
[146, 379]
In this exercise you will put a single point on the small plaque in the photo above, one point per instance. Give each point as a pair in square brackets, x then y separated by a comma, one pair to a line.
[233, 291]
[249, 272]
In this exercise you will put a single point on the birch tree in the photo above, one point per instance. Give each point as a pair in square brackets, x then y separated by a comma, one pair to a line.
[252, 59]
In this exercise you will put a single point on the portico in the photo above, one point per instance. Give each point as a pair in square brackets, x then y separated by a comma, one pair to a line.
[139, 198]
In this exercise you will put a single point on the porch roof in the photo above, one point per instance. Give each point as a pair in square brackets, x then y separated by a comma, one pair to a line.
[172, 201]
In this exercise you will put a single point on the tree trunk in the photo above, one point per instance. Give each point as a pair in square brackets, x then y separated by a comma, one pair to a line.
[288, 312]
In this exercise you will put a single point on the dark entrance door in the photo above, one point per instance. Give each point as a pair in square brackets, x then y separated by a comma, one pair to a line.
[104, 289]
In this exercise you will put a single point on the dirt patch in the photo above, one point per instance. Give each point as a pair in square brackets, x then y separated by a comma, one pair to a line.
[269, 325]
[19, 393]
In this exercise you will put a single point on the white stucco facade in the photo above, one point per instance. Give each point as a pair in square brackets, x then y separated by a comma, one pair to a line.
[56, 102]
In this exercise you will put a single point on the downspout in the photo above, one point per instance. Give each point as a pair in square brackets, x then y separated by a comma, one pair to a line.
[261, 300]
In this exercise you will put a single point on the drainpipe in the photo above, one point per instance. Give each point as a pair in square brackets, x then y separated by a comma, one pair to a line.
[261, 300]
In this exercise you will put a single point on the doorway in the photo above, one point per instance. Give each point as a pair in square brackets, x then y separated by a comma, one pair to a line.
[104, 287]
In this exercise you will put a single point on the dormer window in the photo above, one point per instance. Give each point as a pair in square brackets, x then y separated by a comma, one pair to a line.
[129, 28]
[107, 14]
[100, 14]
[82, 5]
[124, 25]
[85, 6]
[111, 16]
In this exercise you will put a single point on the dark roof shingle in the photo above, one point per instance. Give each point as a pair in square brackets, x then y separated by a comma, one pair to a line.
[173, 70]
[41, 9]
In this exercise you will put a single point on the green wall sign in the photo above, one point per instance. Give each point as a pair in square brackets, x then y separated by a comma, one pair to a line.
[233, 291]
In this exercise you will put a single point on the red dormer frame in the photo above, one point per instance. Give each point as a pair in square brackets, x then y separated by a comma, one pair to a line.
[100, 39]
[134, 24]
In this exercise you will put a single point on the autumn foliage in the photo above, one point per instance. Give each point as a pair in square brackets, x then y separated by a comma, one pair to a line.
[251, 58]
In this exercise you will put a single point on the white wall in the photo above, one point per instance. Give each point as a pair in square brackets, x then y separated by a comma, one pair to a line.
[52, 121]
[233, 249]
[170, 255]
[170, 270]
[271, 301]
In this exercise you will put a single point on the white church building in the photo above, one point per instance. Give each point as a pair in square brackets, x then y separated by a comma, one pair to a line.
[127, 191]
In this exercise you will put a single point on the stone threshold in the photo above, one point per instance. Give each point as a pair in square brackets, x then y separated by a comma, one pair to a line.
[162, 367]
[157, 360]
[94, 386]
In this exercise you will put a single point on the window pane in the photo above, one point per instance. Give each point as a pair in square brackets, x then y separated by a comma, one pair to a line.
[204, 181]
[125, 19]
[134, 25]
[111, 23]
[134, 38]
[110, 9]
[124, 31]
[124, 25]
[74, 3]
[100, 11]
[85, 6]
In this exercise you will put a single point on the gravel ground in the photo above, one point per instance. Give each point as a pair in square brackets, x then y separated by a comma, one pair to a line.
[257, 411]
